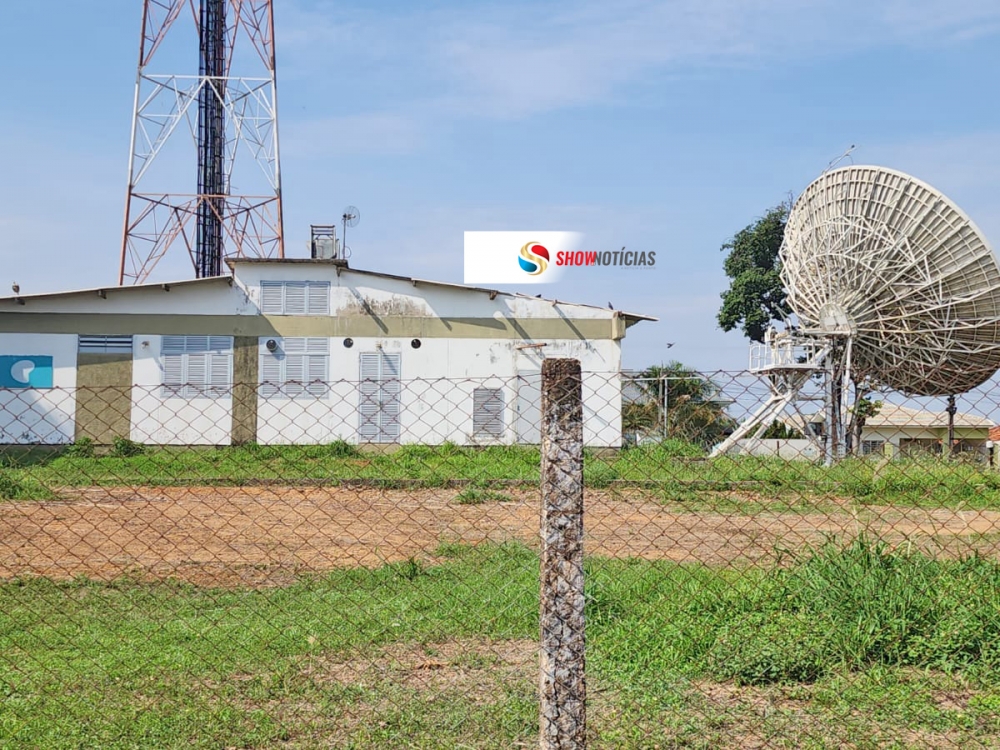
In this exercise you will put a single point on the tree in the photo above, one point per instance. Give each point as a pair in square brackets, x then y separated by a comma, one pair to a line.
[693, 410]
[755, 296]
[781, 431]
[863, 408]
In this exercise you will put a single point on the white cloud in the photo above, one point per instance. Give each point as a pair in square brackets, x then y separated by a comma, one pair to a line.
[517, 59]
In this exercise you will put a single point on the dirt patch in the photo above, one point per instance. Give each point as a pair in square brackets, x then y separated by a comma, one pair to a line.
[349, 699]
[953, 700]
[259, 536]
[787, 716]
[472, 667]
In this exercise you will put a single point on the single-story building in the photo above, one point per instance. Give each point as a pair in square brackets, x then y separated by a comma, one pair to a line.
[298, 351]
[909, 430]
[894, 430]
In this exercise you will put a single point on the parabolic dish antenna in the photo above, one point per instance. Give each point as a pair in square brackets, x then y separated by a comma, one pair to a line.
[892, 285]
[891, 262]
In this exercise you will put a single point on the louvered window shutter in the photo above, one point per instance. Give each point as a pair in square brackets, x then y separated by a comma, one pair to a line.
[271, 293]
[369, 392]
[173, 345]
[271, 375]
[196, 366]
[173, 374]
[196, 375]
[487, 411]
[219, 375]
[105, 344]
[295, 298]
[391, 405]
[317, 369]
[318, 298]
[300, 366]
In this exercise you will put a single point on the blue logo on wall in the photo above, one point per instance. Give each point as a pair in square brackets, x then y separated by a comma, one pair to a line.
[25, 371]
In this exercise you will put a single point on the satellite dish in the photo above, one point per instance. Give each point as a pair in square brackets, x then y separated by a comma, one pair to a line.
[892, 284]
[881, 257]
[351, 216]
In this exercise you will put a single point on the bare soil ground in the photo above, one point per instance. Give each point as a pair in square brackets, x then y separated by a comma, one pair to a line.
[238, 536]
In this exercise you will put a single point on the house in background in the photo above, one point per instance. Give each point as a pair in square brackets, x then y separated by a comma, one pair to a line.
[910, 430]
[895, 430]
[299, 351]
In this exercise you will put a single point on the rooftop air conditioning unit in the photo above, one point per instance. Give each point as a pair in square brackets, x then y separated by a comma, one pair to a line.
[324, 244]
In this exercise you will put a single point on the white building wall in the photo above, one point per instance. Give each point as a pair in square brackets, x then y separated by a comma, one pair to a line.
[790, 449]
[40, 415]
[439, 377]
[438, 380]
[352, 290]
[169, 420]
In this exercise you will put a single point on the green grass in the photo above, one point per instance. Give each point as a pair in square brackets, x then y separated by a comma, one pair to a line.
[475, 495]
[17, 486]
[851, 645]
[667, 469]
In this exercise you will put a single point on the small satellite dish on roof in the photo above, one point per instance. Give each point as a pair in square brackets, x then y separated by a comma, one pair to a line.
[891, 284]
[350, 218]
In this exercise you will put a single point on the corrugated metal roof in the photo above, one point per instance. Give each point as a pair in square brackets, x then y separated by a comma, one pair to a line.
[19, 299]
[892, 415]
[344, 268]
[98, 290]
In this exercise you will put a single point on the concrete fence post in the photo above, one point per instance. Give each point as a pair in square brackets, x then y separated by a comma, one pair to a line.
[562, 713]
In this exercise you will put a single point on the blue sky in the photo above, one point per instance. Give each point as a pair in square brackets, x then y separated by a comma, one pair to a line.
[663, 126]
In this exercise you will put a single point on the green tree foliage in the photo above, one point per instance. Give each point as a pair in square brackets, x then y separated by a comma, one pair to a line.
[781, 431]
[755, 296]
[695, 411]
[863, 408]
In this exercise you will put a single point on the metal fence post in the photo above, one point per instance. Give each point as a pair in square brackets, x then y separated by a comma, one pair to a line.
[562, 679]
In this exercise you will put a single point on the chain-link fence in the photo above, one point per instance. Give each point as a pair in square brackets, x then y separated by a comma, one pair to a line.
[356, 564]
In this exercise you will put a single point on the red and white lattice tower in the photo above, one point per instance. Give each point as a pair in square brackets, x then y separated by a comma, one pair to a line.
[203, 171]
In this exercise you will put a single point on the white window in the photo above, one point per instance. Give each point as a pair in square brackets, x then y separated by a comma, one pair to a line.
[295, 297]
[379, 407]
[297, 367]
[872, 447]
[487, 412]
[197, 366]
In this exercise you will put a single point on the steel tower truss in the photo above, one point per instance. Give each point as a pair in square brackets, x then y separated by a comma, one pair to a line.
[225, 124]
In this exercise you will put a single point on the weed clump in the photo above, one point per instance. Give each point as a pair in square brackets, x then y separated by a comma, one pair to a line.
[762, 649]
[125, 448]
[81, 448]
[343, 449]
[856, 607]
[473, 495]
[10, 488]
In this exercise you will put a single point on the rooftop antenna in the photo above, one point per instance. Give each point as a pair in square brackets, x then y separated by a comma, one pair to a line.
[891, 283]
[350, 217]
